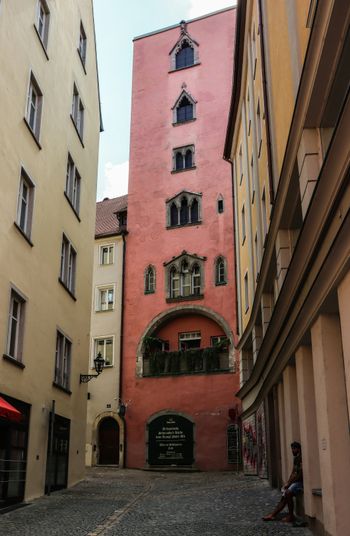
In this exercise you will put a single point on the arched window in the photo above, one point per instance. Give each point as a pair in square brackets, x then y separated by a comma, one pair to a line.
[188, 159]
[184, 110]
[179, 161]
[174, 217]
[220, 271]
[184, 211]
[220, 204]
[194, 211]
[184, 274]
[185, 56]
[185, 279]
[150, 280]
[174, 283]
[196, 280]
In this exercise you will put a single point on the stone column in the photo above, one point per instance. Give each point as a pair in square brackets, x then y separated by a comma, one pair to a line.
[309, 164]
[344, 313]
[291, 412]
[308, 426]
[283, 255]
[284, 462]
[332, 423]
[266, 311]
[256, 341]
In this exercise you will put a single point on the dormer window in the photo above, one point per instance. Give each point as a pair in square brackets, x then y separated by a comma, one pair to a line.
[183, 209]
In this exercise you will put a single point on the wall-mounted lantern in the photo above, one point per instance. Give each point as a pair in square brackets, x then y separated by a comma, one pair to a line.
[99, 366]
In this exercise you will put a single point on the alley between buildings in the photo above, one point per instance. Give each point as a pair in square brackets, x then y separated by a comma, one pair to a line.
[114, 502]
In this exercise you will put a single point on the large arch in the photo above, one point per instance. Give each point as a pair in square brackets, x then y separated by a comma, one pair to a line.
[182, 310]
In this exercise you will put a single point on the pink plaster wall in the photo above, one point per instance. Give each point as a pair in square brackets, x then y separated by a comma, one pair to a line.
[205, 398]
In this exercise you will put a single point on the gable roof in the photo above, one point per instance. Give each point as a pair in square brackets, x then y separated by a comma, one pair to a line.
[106, 218]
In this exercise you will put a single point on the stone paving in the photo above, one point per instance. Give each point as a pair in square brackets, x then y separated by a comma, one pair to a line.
[112, 502]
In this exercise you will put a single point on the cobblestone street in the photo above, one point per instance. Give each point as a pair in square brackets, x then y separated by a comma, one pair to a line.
[124, 503]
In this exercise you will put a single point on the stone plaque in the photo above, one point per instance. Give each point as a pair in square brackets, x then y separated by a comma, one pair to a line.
[170, 441]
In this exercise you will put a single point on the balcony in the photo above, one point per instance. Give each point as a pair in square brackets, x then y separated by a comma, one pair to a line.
[192, 361]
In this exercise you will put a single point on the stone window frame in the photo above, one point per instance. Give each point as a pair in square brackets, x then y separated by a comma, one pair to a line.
[220, 259]
[176, 199]
[149, 287]
[184, 37]
[63, 361]
[220, 204]
[176, 265]
[25, 205]
[174, 109]
[183, 150]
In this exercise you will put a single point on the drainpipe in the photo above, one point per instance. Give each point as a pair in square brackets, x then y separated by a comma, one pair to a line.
[121, 343]
[266, 105]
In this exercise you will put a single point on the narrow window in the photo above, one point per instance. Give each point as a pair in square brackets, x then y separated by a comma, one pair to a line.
[78, 112]
[174, 217]
[42, 22]
[196, 280]
[185, 279]
[15, 326]
[179, 161]
[257, 260]
[34, 107]
[174, 283]
[105, 299]
[258, 129]
[107, 254]
[184, 212]
[220, 271]
[263, 210]
[73, 184]
[184, 110]
[246, 293]
[105, 348]
[243, 224]
[150, 280]
[188, 159]
[68, 265]
[240, 165]
[25, 204]
[254, 57]
[220, 206]
[62, 361]
[82, 44]
[194, 211]
[185, 56]
[252, 178]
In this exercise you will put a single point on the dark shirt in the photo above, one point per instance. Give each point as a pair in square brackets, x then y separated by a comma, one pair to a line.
[297, 468]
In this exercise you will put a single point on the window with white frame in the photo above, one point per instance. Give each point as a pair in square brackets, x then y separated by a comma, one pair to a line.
[107, 254]
[34, 107]
[150, 280]
[82, 44]
[186, 282]
[104, 346]
[73, 181]
[78, 112]
[62, 360]
[68, 264]
[105, 298]
[15, 326]
[42, 21]
[189, 339]
[220, 271]
[25, 204]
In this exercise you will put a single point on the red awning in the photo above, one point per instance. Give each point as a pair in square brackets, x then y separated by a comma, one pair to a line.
[9, 412]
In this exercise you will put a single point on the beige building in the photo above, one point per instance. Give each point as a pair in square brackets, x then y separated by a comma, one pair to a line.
[288, 141]
[49, 132]
[105, 423]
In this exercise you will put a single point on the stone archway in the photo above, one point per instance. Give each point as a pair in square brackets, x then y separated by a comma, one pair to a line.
[119, 441]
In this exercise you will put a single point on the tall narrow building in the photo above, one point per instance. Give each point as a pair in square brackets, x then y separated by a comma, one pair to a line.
[49, 132]
[179, 373]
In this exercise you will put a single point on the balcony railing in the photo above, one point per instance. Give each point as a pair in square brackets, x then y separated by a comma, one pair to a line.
[194, 361]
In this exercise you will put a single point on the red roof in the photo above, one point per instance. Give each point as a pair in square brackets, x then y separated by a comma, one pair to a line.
[106, 218]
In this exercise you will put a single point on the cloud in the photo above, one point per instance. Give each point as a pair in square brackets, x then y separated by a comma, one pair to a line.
[197, 8]
[115, 181]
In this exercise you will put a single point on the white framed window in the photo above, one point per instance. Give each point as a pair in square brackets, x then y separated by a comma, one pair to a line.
[107, 254]
[78, 112]
[189, 339]
[220, 271]
[73, 181]
[42, 21]
[34, 106]
[25, 204]
[105, 347]
[15, 326]
[82, 44]
[62, 360]
[68, 265]
[105, 298]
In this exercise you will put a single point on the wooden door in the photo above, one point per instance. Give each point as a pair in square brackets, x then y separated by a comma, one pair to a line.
[108, 442]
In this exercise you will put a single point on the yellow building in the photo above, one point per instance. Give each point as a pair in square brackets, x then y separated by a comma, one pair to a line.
[288, 142]
[105, 423]
[49, 136]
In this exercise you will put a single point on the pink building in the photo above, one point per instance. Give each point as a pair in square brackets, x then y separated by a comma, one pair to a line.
[179, 312]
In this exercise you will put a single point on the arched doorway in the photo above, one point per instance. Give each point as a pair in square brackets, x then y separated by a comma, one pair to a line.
[108, 442]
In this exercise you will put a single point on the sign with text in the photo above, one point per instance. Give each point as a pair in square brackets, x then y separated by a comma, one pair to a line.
[170, 441]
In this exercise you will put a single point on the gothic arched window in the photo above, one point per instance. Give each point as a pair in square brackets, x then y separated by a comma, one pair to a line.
[183, 158]
[188, 159]
[174, 217]
[184, 110]
[220, 271]
[194, 211]
[185, 55]
[184, 208]
[150, 280]
[183, 211]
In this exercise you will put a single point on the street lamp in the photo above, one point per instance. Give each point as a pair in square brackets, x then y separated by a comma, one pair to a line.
[99, 366]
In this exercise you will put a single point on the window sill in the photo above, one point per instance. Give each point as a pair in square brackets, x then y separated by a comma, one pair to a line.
[72, 207]
[184, 225]
[82, 61]
[221, 284]
[67, 289]
[32, 133]
[41, 42]
[149, 292]
[14, 361]
[184, 169]
[77, 131]
[193, 297]
[186, 67]
[104, 310]
[178, 123]
[61, 388]
[243, 240]
[26, 237]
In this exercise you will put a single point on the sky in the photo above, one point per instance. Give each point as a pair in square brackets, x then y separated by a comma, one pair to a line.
[117, 23]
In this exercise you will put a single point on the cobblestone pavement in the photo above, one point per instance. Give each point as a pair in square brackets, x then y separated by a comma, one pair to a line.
[113, 502]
